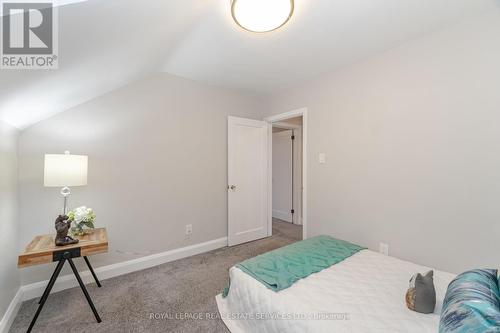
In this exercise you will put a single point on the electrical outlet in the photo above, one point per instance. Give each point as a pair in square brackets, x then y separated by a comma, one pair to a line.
[189, 229]
[322, 158]
[384, 249]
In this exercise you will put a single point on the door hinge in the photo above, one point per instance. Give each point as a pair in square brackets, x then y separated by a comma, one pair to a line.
[293, 137]
[293, 211]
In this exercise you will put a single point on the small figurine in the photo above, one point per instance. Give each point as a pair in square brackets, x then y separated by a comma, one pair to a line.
[62, 227]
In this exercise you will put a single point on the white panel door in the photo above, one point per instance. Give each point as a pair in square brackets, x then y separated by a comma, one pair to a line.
[247, 180]
[282, 176]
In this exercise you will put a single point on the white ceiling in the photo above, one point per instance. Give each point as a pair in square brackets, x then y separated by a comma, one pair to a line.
[105, 44]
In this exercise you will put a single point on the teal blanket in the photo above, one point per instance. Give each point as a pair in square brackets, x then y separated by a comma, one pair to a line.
[281, 268]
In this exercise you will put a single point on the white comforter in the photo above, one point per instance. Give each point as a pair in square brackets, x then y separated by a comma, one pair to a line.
[365, 293]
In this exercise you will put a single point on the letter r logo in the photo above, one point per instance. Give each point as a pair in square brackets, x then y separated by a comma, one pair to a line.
[27, 28]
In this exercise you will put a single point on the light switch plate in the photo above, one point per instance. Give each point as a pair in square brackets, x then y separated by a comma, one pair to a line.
[322, 158]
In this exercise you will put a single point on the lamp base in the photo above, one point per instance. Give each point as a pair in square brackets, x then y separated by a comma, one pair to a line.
[65, 192]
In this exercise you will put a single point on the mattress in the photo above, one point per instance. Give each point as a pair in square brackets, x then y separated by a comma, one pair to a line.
[364, 293]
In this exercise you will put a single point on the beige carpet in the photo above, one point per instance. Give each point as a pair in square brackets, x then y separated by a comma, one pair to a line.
[127, 303]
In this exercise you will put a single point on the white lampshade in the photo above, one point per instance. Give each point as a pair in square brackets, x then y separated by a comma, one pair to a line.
[65, 170]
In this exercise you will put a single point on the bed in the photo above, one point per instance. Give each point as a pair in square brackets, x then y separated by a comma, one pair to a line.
[365, 293]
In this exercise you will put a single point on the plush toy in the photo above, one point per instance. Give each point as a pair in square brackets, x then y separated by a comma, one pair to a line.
[421, 296]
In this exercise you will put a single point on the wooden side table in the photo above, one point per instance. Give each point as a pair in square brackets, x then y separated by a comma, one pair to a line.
[42, 250]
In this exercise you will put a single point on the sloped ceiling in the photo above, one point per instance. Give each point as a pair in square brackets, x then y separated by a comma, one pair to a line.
[106, 44]
[103, 45]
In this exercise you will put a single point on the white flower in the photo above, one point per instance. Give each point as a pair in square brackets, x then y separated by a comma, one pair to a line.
[80, 214]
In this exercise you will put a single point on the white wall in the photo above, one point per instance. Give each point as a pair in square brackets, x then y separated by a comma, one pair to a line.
[157, 161]
[9, 274]
[413, 148]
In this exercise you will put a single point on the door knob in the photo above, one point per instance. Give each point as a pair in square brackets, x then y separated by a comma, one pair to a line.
[231, 187]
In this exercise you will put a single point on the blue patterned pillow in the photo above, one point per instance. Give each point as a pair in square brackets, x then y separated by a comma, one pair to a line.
[472, 303]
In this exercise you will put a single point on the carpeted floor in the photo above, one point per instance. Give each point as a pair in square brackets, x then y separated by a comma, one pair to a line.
[126, 303]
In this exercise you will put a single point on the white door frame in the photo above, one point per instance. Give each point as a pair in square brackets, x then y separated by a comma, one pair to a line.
[276, 119]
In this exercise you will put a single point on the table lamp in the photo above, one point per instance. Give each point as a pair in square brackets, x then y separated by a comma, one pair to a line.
[65, 170]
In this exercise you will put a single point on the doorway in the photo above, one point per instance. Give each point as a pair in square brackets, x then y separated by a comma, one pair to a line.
[286, 188]
[250, 178]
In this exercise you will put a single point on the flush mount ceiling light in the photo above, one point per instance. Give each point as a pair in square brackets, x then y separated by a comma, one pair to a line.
[261, 15]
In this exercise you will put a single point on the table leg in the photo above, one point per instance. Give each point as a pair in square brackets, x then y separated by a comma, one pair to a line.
[46, 293]
[51, 281]
[92, 271]
[85, 292]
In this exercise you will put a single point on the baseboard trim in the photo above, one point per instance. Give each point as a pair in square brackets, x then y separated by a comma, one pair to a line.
[285, 216]
[36, 289]
[11, 313]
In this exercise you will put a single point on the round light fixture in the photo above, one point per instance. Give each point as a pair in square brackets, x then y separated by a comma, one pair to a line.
[261, 15]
